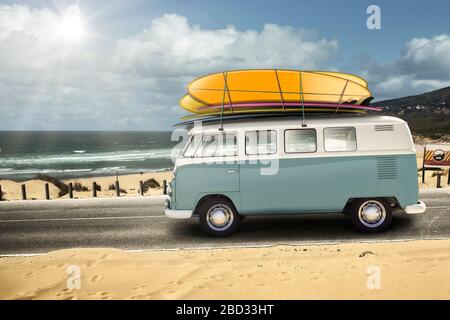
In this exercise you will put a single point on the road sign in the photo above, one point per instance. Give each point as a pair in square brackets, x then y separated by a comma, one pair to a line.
[437, 155]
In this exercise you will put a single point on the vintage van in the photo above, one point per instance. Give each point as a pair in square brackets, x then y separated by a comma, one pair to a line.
[362, 166]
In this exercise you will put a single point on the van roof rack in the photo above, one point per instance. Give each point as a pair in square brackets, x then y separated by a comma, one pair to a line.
[253, 116]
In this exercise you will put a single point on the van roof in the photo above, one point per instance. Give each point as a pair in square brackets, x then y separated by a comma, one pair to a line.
[311, 121]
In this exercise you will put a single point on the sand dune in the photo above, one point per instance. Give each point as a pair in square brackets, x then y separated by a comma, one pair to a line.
[406, 270]
[35, 189]
[129, 183]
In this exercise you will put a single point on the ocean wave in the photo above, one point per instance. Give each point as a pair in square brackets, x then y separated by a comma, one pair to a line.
[119, 156]
[111, 168]
[45, 171]
[75, 170]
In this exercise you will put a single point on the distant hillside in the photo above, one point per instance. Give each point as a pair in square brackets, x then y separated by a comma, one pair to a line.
[428, 114]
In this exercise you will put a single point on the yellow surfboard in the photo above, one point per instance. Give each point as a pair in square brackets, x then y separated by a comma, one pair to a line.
[346, 76]
[266, 85]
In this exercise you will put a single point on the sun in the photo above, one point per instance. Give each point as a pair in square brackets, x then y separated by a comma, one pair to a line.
[72, 26]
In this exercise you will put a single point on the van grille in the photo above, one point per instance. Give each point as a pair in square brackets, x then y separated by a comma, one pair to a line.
[387, 168]
[384, 127]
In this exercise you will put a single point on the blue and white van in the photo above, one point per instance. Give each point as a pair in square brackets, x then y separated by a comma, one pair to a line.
[364, 167]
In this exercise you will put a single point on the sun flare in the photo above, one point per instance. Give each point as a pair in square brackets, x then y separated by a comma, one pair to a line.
[72, 28]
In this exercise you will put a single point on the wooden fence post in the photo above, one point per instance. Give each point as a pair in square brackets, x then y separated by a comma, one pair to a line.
[438, 178]
[1, 193]
[423, 163]
[70, 190]
[141, 187]
[164, 187]
[94, 189]
[24, 192]
[117, 188]
[47, 192]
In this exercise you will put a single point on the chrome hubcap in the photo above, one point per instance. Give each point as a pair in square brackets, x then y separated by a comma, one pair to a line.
[372, 213]
[219, 217]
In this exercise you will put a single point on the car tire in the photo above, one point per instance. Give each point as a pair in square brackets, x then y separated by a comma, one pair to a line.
[371, 215]
[218, 217]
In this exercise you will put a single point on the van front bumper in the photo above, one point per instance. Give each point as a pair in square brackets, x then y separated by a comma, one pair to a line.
[416, 208]
[176, 214]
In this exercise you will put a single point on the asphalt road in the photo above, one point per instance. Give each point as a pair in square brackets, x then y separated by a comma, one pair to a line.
[28, 227]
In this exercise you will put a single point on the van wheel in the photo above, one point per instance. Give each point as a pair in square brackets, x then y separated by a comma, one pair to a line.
[371, 215]
[218, 217]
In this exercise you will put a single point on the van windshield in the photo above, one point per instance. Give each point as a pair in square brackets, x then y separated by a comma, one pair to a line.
[212, 145]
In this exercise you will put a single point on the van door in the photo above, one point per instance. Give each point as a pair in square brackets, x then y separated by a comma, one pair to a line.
[219, 152]
[214, 170]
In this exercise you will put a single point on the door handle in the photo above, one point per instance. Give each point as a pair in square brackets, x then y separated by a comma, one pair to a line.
[232, 171]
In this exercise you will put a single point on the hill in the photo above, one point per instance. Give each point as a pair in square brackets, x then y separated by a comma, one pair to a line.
[428, 114]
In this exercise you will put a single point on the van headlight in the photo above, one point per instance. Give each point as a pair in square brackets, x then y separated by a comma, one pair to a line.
[167, 204]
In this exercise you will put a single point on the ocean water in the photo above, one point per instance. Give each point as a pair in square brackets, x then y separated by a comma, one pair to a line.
[72, 154]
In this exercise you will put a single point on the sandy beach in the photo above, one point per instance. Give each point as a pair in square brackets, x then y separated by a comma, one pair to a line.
[129, 183]
[396, 270]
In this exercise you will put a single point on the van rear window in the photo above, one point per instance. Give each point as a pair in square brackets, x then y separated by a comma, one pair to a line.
[300, 140]
[260, 142]
[340, 139]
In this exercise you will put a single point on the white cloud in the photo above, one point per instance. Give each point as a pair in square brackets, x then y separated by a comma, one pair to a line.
[427, 58]
[47, 83]
[424, 65]
[173, 47]
[406, 85]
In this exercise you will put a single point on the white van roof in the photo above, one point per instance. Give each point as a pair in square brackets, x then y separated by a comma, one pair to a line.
[291, 121]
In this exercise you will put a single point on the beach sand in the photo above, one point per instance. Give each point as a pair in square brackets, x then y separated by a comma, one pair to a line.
[130, 183]
[396, 270]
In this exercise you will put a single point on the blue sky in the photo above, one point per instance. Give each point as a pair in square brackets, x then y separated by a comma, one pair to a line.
[130, 66]
[346, 21]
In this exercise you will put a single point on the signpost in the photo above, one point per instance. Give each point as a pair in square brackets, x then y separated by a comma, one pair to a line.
[435, 156]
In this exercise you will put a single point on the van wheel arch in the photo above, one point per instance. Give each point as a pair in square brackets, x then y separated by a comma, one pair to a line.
[392, 201]
[207, 197]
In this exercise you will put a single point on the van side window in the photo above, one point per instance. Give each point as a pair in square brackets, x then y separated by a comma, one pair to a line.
[340, 139]
[217, 145]
[260, 142]
[300, 140]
